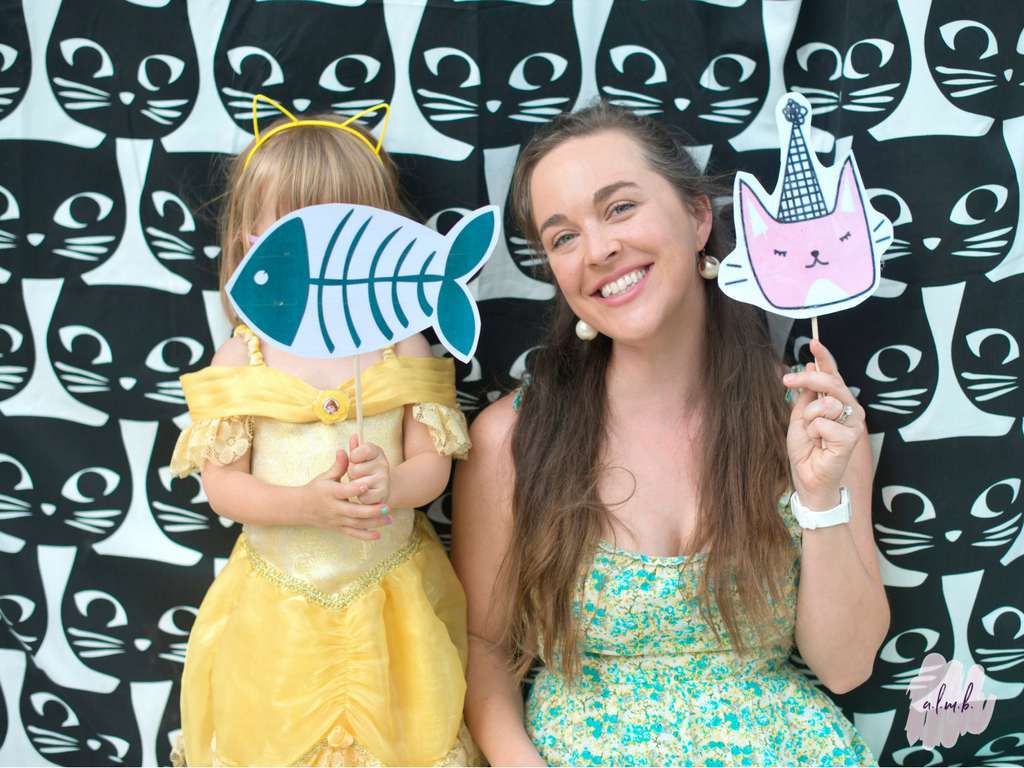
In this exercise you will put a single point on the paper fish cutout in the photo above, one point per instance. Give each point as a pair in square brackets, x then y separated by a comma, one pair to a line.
[336, 280]
[812, 247]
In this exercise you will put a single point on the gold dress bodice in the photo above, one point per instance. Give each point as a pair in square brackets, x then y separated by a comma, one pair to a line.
[293, 454]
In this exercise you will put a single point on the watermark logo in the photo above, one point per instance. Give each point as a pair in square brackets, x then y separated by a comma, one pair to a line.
[943, 705]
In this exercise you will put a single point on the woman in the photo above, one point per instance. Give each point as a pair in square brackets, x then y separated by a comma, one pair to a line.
[627, 517]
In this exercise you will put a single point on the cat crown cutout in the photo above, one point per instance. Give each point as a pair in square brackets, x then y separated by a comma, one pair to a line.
[295, 123]
[812, 247]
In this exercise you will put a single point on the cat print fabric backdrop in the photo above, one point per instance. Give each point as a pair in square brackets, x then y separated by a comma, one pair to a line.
[115, 119]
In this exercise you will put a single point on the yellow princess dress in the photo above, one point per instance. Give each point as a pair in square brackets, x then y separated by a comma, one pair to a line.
[310, 649]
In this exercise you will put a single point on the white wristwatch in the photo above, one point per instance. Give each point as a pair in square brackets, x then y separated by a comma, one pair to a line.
[835, 516]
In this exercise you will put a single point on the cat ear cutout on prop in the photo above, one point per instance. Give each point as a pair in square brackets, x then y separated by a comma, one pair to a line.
[336, 280]
[812, 247]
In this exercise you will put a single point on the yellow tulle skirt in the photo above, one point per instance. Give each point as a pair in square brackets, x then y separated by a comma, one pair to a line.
[273, 678]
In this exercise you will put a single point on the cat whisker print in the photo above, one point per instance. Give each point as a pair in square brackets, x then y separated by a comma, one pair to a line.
[52, 743]
[898, 248]
[164, 111]
[908, 542]
[177, 654]
[865, 99]
[4, 94]
[86, 248]
[896, 402]
[355, 107]
[999, 534]
[93, 520]
[985, 244]
[169, 247]
[640, 103]
[83, 96]
[523, 249]
[12, 508]
[989, 385]
[729, 111]
[169, 392]
[451, 108]
[243, 102]
[7, 239]
[967, 82]
[991, 658]
[81, 381]
[539, 110]
[11, 376]
[92, 645]
[822, 102]
[177, 520]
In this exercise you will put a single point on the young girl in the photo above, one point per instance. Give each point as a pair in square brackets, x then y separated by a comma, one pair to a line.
[335, 634]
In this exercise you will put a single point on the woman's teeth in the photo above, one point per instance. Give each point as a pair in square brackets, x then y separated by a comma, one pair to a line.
[624, 283]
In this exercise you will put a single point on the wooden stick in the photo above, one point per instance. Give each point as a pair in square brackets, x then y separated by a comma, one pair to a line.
[358, 376]
[359, 398]
[814, 334]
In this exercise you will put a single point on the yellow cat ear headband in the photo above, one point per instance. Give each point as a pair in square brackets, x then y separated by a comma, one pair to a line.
[260, 140]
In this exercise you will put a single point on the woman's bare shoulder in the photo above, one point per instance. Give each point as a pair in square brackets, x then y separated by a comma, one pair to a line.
[492, 428]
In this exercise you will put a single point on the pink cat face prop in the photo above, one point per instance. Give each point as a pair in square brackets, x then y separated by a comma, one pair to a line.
[815, 245]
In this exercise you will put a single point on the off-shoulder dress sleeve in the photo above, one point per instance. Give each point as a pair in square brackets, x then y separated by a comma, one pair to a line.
[447, 427]
[222, 441]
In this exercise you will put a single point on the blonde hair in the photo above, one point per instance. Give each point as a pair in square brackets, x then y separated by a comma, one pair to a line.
[306, 165]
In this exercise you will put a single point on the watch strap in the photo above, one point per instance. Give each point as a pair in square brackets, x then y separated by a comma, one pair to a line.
[836, 516]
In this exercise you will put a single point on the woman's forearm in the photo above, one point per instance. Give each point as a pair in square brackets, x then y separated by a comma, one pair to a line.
[494, 709]
[842, 612]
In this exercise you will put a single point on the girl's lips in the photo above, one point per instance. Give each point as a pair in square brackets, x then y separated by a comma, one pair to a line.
[622, 298]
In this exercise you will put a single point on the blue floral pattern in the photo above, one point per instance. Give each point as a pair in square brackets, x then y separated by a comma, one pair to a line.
[657, 688]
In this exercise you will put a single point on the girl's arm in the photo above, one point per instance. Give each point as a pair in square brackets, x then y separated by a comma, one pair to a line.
[481, 519]
[842, 611]
[423, 474]
[323, 502]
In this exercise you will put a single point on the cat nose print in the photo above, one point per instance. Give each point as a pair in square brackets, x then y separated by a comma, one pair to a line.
[301, 104]
[126, 97]
[1007, 73]
[94, 744]
[681, 104]
[931, 243]
[127, 382]
[953, 535]
[35, 238]
[493, 106]
[48, 509]
[142, 643]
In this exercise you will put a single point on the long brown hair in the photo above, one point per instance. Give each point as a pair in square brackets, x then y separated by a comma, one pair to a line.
[557, 440]
[302, 166]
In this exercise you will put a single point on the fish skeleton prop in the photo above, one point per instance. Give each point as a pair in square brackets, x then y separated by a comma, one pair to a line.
[815, 245]
[335, 280]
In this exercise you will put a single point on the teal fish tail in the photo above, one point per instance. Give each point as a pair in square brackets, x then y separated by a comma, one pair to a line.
[457, 320]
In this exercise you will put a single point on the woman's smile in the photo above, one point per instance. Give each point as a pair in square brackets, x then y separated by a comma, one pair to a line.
[623, 285]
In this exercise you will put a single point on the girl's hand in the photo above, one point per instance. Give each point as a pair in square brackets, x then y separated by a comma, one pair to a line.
[819, 446]
[327, 503]
[370, 467]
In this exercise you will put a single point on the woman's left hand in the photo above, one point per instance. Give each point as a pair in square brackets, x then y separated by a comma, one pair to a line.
[819, 445]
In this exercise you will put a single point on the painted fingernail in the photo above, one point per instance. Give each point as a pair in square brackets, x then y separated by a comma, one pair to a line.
[383, 510]
[376, 536]
[387, 521]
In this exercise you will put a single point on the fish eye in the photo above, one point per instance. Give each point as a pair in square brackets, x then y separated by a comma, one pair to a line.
[261, 277]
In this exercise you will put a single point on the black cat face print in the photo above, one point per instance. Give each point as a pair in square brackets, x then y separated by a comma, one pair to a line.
[490, 79]
[140, 85]
[308, 61]
[976, 56]
[853, 68]
[711, 87]
[67, 224]
[15, 58]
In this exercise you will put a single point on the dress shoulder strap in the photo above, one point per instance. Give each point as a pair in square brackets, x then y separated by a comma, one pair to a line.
[388, 353]
[252, 342]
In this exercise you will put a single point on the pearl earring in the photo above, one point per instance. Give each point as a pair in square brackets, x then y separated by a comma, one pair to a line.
[585, 331]
[707, 266]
